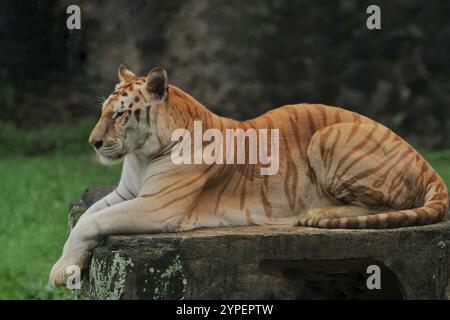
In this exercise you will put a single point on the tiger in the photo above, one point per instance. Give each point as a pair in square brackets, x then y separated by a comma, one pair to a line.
[337, 169]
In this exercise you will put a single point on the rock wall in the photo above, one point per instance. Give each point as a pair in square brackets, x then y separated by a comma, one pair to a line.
[238, 58]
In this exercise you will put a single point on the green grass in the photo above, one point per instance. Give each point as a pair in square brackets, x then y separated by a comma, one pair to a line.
[63, 138]
[33, 217]
[36, 192]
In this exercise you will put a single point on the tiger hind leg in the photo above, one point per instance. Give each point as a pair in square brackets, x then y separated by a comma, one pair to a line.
[366, 165]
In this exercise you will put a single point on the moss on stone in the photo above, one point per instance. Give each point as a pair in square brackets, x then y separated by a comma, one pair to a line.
[167, 282]
[108, 284]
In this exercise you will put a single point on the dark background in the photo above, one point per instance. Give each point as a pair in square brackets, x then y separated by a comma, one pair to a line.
[239, 58]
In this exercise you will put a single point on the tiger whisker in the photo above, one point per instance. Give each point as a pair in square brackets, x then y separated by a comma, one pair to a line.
[100, 100]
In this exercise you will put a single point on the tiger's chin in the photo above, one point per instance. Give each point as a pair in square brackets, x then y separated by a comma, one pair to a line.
[110, 160]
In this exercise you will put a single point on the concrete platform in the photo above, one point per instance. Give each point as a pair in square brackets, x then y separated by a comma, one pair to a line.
[269, 263]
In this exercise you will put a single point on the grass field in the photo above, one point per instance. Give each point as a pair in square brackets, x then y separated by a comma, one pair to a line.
[33, 216]
[36, 192]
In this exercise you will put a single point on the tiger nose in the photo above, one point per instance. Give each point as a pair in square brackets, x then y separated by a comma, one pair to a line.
[97, 144]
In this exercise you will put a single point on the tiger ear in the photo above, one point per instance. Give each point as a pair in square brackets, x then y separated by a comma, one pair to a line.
[158, 83]
[125, 75]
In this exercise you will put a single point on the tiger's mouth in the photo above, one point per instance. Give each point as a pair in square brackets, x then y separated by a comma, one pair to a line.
[112, 152]
[111, 155]
[110, 159]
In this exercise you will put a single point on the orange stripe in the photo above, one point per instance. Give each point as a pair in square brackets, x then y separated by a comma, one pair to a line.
[312, 126]
[363, 142]
[367, 153]
[266, 203]
[330, 153]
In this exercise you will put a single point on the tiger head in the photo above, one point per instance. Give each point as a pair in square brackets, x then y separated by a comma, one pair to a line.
[128, 118]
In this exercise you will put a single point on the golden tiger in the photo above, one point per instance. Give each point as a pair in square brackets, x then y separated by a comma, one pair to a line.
[337, 169]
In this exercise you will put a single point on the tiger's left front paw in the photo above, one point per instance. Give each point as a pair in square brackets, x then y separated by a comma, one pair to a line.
[62, 270]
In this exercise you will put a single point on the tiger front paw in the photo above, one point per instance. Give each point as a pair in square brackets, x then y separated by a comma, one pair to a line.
[63, 271]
